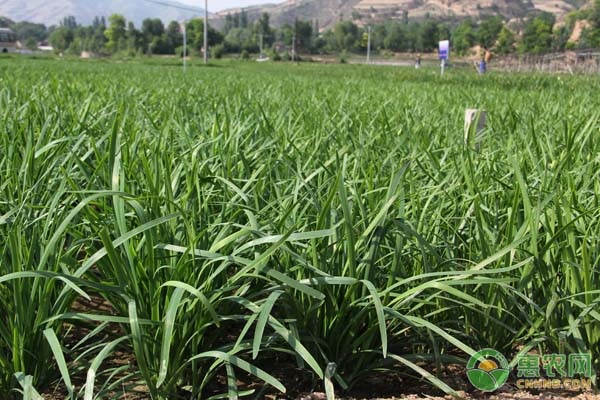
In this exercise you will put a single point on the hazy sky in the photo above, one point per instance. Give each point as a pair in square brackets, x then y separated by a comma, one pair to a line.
[218, 5]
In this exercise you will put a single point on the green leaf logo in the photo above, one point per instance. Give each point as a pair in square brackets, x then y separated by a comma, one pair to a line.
[488, 370]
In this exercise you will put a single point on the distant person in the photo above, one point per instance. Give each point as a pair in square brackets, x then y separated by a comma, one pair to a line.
[418, 61]
[482, 66]
[486, 57]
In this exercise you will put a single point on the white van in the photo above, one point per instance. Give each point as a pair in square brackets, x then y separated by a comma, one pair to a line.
[8, 41]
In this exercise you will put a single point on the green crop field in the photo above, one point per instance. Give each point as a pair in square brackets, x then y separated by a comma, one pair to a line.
[176, 235]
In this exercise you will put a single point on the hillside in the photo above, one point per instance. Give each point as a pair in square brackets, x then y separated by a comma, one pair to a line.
[327, 12]
[51, 12]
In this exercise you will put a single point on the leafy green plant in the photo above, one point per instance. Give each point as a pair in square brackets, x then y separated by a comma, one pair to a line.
[218, 222]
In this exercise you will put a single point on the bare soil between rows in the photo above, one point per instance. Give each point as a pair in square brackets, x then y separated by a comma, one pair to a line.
[301, 384]
[384, 386]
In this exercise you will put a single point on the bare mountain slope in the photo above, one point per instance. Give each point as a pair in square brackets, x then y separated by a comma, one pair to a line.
[51, 12]
[327, 12]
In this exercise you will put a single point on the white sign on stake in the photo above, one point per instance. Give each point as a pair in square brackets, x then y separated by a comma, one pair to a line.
[475, 121]
[182, 29]
[444, 53]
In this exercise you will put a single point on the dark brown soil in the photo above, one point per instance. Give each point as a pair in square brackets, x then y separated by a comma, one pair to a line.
[303, 385]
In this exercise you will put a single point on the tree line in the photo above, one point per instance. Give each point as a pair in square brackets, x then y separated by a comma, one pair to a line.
[538, 33]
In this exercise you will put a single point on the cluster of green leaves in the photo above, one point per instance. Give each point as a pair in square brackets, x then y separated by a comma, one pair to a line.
[220, 223]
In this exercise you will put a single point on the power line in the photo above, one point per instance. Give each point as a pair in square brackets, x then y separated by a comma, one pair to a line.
[196, 10]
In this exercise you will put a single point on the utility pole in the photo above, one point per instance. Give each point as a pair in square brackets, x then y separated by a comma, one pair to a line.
[261, 46]
[294, 46]
[205, 31]
[369, 45]
[184, 46]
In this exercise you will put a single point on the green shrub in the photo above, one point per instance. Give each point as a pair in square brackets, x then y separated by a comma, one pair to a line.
[343, 57]
[218, 51]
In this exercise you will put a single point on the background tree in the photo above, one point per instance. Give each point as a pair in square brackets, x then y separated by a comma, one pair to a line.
[69, 22]
[99, 21]
[537, 37]
[285, 34]
[98, 40]
[243, 19]
[263, 27]
[304, 35]
[152, 33]
[347, 35]
[28, 32]
[488, 31]
[31, 44]
[428, 36]
[539, 34]
[413, 37]
[463, 36]
[6, 22]
[135, 39]
[81, 35]
[173, 36]
[590, 37]
[594, 17]
[506, 41]
[228, 24]
[444, 32]
[395, 38]
[378, 35]
[560, 38]
[239, 39]
[116, 33]
[195, 34]
[61, 39]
